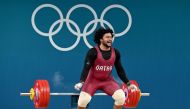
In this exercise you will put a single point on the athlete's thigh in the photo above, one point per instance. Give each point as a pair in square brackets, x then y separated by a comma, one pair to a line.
[110, 87]
[90, 88]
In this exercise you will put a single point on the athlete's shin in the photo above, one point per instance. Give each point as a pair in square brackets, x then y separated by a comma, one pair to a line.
[81, 107]
[117, 106]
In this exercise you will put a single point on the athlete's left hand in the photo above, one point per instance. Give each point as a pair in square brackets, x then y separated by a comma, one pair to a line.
[132, 87]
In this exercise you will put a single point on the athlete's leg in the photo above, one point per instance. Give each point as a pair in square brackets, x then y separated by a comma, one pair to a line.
[113, 89]
[117, 107]
[119, 97]
[84, 99]
[88, 90]
[81, 108]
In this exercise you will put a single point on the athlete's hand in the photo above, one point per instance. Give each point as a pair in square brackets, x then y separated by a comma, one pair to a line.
[132, 87]
[78, 86]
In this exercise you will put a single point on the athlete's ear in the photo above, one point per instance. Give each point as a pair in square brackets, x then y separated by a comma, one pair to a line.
[101, 40]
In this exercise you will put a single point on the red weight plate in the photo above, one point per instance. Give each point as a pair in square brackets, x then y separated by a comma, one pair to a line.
[131, 105]
[138, 92]
[128, 95]
[37, 101]
[131, 100]
[41, 93]
[136, 95]
[134, 99]
[124, 88]
[48, 93]
[43, 90]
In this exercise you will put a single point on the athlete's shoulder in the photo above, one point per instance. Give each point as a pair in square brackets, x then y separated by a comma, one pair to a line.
[117, 52]
[92, 52]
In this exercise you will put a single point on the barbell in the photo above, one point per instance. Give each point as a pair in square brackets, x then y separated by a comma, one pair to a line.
[40, 94]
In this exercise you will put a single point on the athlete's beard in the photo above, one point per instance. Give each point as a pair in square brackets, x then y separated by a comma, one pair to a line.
[106, 45]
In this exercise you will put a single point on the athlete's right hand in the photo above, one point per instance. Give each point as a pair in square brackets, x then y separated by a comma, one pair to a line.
[78, 86]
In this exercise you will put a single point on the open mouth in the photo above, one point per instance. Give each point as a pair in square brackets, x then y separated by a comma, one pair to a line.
[109, 42]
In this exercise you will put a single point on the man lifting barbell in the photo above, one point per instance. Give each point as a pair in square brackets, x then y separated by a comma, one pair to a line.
[96, 74]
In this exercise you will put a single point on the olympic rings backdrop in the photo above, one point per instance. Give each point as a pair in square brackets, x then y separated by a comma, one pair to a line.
[49, 40]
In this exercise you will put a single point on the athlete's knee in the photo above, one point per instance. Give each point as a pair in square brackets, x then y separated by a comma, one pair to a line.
[119, 97]
[84, 99]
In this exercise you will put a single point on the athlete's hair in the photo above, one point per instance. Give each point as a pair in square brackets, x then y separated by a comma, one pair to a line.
[100, 33]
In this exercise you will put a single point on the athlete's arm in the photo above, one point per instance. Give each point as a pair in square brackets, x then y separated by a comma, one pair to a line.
[119, 68]
[89, 60]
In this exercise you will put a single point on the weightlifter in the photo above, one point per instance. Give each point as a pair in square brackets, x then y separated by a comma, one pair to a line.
[96, 74]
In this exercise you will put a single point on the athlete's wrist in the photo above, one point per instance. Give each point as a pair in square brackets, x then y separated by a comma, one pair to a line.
[81, 81]
[128, 83]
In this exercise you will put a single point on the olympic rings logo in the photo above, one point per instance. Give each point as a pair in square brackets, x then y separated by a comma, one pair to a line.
[78, 32]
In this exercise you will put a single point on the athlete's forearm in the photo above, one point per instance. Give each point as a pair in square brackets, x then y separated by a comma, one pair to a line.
[120, 70]
[121, 73]
[85, 72]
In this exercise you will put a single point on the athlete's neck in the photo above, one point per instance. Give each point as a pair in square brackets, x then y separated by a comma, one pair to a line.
[104, 48]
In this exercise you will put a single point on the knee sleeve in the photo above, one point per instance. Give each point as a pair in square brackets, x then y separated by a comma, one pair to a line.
[119, 97]
[84, 99]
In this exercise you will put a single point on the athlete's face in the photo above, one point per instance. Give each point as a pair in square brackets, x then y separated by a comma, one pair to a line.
[107, 40]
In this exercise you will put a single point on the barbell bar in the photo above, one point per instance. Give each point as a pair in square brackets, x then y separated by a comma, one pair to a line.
[40, 94]
[70, 94]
